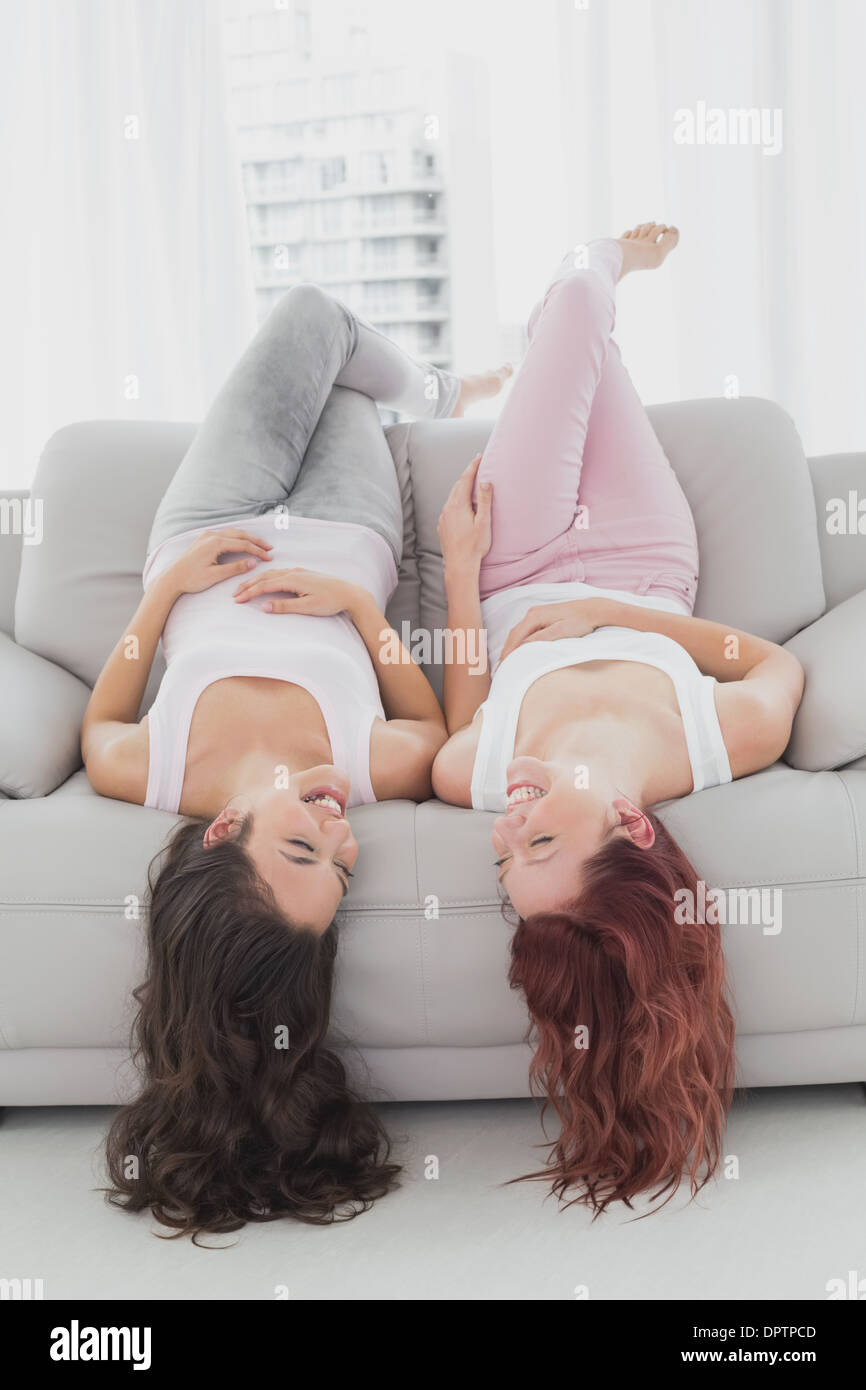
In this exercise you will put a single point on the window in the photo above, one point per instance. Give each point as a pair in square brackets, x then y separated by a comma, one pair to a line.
[423, 164]
[383, 253]
[334, 258]
[332, 172]
[429, 294]
[429, 338]
[338, 92]
[425, 207]
[329, 218]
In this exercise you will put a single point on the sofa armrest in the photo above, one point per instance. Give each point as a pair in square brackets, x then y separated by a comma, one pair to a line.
[839, 484]
[41, 708]
[10, 557]
[830, 725]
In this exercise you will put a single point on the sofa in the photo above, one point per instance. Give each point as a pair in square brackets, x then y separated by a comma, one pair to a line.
[423, 1010]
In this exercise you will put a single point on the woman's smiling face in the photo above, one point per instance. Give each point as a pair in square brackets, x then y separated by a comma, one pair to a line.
[300, 842]
[554, 822]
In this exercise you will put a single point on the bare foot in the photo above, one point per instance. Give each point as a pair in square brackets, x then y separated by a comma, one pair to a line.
[645, 247]
[478, 388]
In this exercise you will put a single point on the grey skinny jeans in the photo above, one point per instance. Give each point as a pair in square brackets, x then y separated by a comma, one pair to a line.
[296, 424]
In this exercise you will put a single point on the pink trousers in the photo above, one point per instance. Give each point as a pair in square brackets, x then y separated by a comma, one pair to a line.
[581, 487]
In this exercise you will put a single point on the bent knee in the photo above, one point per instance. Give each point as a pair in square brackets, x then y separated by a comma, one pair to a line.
[309, 301]
[583, 291]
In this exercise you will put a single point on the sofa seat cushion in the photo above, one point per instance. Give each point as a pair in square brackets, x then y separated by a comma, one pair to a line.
[423, 956]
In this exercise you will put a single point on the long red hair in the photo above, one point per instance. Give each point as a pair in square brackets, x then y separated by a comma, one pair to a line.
[642, 1094]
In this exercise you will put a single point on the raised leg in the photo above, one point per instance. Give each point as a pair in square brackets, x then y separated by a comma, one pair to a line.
[248, 452]
[348, 472]
[582, 487]
[535, 452]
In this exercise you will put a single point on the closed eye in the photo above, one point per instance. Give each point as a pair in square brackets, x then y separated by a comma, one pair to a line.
[340, 869]
[539, 840]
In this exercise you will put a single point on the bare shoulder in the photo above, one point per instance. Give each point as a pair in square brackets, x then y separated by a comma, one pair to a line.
[452, 770]
[116, 758]
[401, 758]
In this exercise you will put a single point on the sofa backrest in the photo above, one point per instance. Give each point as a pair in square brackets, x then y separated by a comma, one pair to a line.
[740, 463]
[839, 484]
[742, 468]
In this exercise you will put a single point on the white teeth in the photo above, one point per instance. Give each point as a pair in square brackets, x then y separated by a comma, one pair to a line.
[325, 800]
[525, 794]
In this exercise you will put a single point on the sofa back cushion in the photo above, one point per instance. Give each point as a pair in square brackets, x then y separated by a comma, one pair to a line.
[100, 483]
[740, 463]
[742, 468]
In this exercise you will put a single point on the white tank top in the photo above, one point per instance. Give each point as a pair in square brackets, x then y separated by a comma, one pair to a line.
[209, 637]
[525, 665]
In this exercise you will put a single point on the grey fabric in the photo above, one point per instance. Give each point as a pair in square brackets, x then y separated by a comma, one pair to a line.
[104, 1076]
[272, 436]
[742, 469]
[101, 483]
[74, 877]
[843, 548]
[10, 557]
[421, 983]
[747, 482]
[41, 708]
[830, 726]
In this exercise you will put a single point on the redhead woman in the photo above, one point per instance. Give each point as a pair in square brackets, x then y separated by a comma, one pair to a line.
[571, 543]
[272, 557]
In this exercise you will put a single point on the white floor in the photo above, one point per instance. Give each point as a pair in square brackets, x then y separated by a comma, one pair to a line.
[793, 1219]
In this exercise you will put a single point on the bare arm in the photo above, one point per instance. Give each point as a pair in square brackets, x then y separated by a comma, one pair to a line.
[113, 745]
[405, 690]
[465, 534]
[466, 677]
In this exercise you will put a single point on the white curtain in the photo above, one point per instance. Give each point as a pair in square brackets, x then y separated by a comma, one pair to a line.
[125, 277]
[768, 292]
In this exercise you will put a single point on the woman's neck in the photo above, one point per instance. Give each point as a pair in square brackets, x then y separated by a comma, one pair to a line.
[630, 755]
[240, 781]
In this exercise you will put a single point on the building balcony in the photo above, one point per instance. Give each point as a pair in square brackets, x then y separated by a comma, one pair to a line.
[414, 227]
[283, 193]
[274, 279]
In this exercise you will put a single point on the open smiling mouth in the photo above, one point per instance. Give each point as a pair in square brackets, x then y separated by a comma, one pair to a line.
[332, 801]
[523, 791]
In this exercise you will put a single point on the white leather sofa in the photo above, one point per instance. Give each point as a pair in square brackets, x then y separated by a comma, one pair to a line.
[423, 1000]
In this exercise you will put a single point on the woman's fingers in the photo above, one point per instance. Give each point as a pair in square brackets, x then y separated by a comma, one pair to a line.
[265, 584]
[523, 631]
[234, 567]
[280, 605]
[240, 542]
[462, 489]
[238, 534]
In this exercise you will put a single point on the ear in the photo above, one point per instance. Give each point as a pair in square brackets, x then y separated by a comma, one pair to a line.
[227, 826]
[635, 823]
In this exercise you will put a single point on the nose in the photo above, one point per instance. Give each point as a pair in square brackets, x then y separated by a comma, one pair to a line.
[336, 834]
[510, 826]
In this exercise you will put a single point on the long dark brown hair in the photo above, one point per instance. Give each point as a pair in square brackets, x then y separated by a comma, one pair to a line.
[244, 1113]
[642, 1096]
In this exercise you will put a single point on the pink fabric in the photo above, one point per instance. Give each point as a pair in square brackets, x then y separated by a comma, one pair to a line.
[582, 488]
